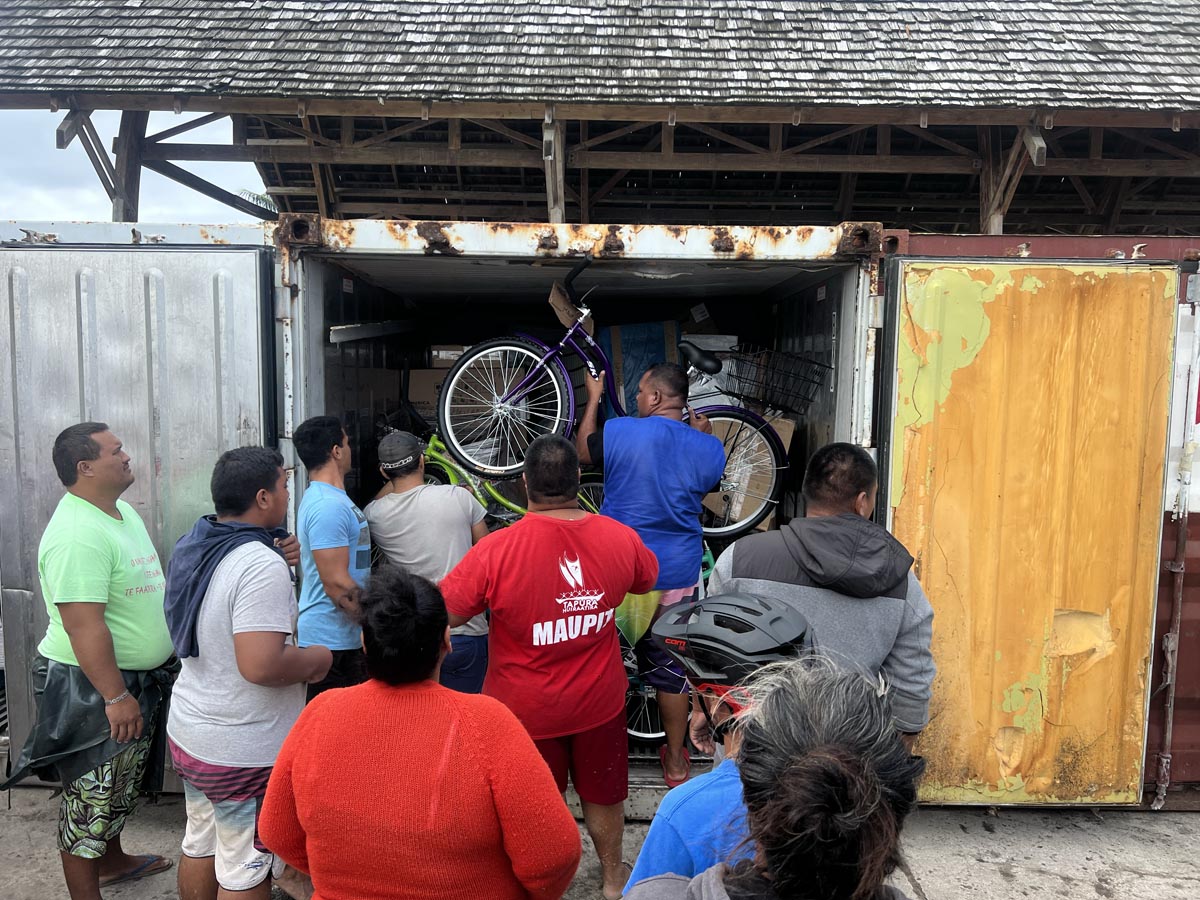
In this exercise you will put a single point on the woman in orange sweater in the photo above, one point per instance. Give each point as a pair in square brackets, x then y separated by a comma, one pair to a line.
[403, 788]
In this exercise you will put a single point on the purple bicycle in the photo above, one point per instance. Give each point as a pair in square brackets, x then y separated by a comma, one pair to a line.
[505, 392]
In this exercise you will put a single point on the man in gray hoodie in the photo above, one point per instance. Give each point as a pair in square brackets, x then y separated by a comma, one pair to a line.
[850, 578]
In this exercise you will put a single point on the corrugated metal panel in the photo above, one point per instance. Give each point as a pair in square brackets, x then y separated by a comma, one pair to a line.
[1027, 476]
[165, 346]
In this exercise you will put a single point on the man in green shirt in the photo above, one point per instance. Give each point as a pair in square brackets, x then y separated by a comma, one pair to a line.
[101, 662]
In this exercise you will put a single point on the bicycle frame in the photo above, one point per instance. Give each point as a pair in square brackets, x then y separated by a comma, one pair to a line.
[553, 355]
[437, 454]
[596, 361]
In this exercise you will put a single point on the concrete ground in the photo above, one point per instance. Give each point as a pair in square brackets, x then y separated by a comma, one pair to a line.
[952, 853]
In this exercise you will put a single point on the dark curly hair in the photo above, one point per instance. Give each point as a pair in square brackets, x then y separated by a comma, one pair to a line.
[826, 779]
[404, 620]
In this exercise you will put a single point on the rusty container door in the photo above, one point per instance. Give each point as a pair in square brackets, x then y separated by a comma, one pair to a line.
[1026, 476]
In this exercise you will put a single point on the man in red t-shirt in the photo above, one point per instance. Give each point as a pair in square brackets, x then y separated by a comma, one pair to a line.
[552, 581]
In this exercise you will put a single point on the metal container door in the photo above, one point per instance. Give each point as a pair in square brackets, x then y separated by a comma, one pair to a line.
[1026, 476]
[171, 347]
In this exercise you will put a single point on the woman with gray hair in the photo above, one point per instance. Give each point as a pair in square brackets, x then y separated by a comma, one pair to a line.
[828, 784]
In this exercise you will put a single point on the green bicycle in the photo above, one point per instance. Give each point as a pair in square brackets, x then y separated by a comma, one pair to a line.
[503, 501]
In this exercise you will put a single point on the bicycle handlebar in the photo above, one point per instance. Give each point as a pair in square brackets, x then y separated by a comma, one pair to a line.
[569, 281]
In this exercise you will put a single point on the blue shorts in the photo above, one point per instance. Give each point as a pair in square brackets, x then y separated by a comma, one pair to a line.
[466, 663]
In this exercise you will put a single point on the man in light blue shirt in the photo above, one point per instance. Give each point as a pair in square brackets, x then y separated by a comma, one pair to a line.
[335, 553]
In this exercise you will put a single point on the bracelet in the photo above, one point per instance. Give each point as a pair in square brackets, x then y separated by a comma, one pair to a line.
[115, 700]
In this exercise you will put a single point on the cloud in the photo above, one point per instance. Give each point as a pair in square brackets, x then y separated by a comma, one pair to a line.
[41, 183]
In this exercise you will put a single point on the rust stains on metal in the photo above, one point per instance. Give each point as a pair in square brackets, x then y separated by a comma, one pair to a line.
[397, 230]
[676, 231]
[722, 241]
[436, 239]
[860, 238]
[613, 245]
[205, 235]
[298, 230]
[548, 240]
[500, 226]
[745, 251]
[338, 233]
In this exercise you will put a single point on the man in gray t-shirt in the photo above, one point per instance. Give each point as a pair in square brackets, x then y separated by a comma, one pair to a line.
[242, 681]
[427, 529]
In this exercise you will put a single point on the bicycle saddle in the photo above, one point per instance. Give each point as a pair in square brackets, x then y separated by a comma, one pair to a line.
[701, 359]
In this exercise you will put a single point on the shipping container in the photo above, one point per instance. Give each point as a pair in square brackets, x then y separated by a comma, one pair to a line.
[1029, 406]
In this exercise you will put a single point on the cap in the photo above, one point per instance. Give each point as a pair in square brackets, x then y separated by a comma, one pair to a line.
[400, 450]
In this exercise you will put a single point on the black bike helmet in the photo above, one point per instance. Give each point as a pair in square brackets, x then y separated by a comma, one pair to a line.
[723, 638]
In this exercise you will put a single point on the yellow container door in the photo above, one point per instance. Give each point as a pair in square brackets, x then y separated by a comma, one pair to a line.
[1026, 477]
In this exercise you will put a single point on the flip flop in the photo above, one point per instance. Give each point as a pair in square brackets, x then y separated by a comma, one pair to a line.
[687, 759]
[151, 865]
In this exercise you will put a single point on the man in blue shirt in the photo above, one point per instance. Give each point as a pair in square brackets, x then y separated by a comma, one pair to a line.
[658, 468]
[335, 553]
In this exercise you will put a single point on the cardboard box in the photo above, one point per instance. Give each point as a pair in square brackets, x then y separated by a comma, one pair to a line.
[444, 356]
[424, 385]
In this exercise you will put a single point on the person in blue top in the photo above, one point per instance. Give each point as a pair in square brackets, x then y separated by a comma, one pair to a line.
[657, 469]
[718, 642]
[335, 553]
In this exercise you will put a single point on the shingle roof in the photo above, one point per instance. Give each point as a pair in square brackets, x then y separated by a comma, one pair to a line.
[1127, 54]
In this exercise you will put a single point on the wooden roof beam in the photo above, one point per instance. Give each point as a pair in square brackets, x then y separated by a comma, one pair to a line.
[725, 137]
[208, 189]
[510, 133]
[611, 112]
[186, 127]
[396, 132]
[306, 133]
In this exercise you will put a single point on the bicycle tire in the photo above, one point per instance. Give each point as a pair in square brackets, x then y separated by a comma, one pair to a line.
[488, 437]
[436, 473]
[591, 491]
[643, 719]
[754, 463]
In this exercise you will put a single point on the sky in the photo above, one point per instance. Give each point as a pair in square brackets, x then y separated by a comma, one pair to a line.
[40, 183]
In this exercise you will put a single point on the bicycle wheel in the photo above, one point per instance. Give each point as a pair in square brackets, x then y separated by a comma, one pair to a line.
[591, 491]
[754, 464]
[496, 400]
[436, 474]
[643, 721]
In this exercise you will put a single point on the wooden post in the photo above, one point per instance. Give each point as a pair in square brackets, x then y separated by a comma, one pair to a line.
[584, 181]
[554, 152]
[128, 166]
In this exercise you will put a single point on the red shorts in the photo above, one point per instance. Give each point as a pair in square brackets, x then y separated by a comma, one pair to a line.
[597, 759]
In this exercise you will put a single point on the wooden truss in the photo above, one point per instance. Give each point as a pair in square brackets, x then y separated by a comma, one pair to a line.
[965, 170]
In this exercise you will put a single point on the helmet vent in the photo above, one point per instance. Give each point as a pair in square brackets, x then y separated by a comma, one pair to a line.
[736, 625]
